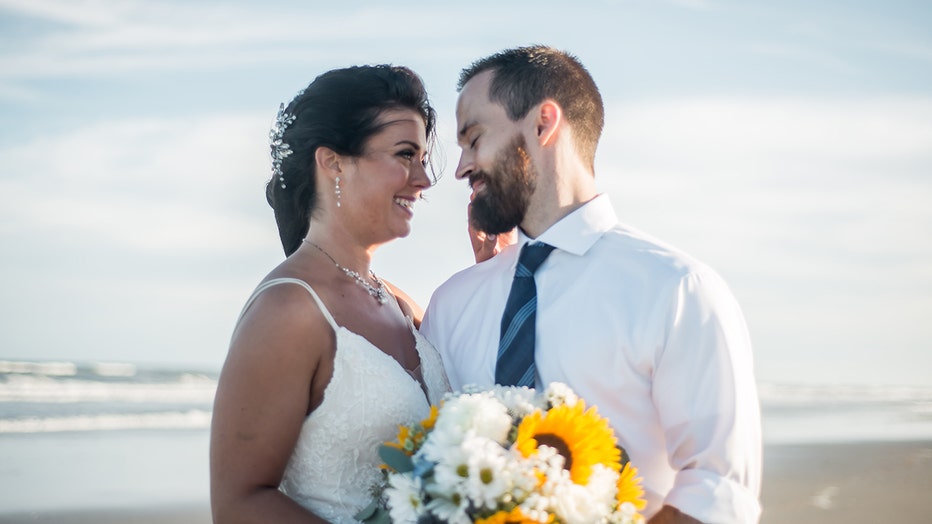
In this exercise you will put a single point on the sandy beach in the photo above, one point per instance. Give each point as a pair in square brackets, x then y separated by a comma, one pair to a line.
[851, 483]
[180, 515]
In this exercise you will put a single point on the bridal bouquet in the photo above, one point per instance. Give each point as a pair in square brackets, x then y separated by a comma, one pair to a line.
[508, 455]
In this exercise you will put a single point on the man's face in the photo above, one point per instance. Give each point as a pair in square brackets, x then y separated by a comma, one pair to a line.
[505, 190]
[494, 159]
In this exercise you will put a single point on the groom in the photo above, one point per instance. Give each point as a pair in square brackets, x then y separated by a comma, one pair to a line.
[652, 337]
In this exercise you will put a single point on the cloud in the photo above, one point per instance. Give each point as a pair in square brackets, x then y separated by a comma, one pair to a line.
[825, 172]
[815, 56]
[155, 185]
[107, 37]
[739, 129]
[815, 210]
[17, 94]
[692, 4]
[76, 12]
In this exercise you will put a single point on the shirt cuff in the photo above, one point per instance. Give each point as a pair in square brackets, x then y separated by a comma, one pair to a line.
[713, 499]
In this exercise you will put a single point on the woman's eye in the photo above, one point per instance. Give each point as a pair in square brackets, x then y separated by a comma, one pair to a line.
[472, 145]
[407, 154]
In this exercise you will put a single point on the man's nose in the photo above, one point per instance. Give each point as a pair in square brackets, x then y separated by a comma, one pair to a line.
[466, 166]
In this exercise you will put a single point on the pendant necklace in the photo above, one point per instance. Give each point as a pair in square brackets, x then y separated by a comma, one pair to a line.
[377, 292]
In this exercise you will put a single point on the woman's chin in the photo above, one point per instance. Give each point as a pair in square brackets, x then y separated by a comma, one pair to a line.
[400, 232]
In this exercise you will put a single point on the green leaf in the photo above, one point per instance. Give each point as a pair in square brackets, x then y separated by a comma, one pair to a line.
[381, 517]
[368, 512]
[396, 459]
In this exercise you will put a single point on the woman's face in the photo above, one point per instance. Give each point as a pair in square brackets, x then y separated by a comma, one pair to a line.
[383, 184]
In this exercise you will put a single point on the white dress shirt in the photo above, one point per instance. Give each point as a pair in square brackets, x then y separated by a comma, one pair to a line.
[652, 337]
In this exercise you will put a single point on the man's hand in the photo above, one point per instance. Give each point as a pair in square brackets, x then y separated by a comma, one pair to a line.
[484, 245]
[671, 515]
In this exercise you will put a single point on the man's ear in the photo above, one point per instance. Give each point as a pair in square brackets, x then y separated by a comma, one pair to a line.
[329, 162]
[549, 118]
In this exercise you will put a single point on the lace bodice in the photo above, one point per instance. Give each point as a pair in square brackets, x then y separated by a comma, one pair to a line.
[335, 463]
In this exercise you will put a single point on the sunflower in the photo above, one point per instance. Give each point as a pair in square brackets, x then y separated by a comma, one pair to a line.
[629, 488]
[581, 436]
[515, 516]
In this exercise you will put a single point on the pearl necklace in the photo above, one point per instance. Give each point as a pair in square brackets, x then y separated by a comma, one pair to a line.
[378, 293]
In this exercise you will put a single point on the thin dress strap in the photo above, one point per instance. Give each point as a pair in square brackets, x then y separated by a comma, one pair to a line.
[275, 281]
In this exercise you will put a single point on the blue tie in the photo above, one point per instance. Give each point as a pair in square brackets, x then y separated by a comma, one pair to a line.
[515, 365]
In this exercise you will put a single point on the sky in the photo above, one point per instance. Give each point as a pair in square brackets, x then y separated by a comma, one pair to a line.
[786, 144]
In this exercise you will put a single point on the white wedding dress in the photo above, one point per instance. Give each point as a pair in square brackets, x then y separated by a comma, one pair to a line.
[335, 463]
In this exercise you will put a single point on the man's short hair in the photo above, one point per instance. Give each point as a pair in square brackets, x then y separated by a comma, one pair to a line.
[525, 76]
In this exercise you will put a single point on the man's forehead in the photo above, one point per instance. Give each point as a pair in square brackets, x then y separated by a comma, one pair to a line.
[477, 85]
[474, 95]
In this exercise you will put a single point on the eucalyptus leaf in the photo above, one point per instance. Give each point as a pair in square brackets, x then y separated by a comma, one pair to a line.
[381, 517]
[396, 459]
[374, 514]
[368, 512]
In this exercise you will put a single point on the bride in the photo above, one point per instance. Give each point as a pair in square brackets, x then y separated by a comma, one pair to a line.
[325, 361]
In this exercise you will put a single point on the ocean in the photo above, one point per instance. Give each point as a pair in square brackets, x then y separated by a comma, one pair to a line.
[90, 436]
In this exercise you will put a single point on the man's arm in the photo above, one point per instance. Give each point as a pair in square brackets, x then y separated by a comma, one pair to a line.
[706, 396]
[671, 515]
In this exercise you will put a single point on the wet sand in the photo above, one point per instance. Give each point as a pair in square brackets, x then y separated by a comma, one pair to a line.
[854, 483]
[851, 483]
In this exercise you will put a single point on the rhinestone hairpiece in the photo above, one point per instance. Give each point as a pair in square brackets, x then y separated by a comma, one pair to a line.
[280, 149]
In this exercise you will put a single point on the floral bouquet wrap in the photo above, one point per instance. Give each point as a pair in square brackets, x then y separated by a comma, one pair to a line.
[508, 455]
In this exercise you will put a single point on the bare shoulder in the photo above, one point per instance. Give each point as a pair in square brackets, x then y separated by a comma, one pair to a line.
[282, 313]
[280, 341]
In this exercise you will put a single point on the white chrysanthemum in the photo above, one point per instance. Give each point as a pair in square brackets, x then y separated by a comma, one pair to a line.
[480, 413]
[558, 394]
[404, 498]
[441, 442]
[489, 472]
[450, 510]
[450, 471]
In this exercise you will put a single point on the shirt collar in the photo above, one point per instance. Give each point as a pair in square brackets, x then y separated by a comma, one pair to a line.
[580, 230]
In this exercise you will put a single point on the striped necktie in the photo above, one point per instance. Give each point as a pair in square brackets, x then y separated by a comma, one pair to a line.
[515, 365]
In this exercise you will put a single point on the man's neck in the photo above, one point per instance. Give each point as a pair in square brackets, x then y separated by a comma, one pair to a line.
[557, 196]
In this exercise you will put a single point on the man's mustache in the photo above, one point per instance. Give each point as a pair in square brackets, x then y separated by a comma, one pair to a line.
[478, 176]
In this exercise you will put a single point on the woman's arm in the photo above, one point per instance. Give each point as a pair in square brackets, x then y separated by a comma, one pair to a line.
[263, 397]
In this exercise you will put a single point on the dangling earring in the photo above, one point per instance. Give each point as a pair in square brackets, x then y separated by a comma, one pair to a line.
[337, 191]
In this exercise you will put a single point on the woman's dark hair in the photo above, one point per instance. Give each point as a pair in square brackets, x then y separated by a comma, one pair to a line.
[339, 110]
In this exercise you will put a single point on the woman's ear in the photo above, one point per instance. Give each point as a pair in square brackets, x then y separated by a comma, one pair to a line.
[328, 161]
[549, 117]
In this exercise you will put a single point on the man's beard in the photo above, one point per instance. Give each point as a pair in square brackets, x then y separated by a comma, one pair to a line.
[502, 203]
